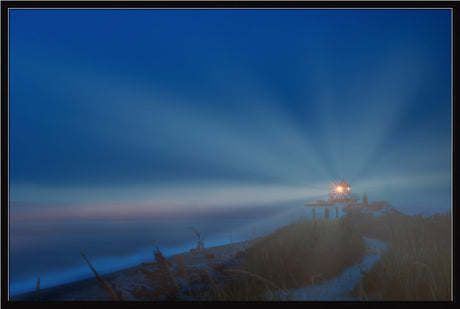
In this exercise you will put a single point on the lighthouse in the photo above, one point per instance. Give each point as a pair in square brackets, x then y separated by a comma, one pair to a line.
[340, 193]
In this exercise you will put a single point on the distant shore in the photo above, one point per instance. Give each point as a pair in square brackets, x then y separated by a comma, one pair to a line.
[91, 289]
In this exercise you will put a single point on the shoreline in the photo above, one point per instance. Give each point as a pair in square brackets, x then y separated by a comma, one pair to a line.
[123, 280]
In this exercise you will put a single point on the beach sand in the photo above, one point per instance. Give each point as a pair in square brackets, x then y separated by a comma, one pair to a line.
[143, 282]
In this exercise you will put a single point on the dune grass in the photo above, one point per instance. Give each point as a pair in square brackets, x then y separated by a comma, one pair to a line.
[105, 284]
[417, 264]
[291, 256]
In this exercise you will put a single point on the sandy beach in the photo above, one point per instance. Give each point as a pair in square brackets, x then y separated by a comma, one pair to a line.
[144, 282]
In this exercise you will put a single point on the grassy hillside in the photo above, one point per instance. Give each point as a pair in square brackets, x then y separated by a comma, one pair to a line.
[417, 265]
[293, 256]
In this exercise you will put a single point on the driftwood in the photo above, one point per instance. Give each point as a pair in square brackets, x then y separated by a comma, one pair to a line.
[200, 245]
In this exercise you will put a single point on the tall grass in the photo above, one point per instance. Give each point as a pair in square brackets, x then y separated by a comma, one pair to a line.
[183, 272]
[292, 255]
[417, 264]
[104, 283]
[37, 293]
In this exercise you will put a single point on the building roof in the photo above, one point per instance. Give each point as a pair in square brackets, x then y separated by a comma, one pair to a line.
[353, 206]
[375, 206]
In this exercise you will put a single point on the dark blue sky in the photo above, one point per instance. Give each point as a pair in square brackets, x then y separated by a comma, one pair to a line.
[159, 105]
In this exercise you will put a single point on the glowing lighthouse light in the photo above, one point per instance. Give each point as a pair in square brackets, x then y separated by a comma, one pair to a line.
[340, 190]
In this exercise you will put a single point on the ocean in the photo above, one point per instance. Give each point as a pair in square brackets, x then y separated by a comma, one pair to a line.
[51, 250]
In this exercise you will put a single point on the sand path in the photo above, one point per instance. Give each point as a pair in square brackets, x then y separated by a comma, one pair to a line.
[340, 287]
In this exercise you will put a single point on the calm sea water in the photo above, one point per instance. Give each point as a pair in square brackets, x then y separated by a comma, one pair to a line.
[51, 250]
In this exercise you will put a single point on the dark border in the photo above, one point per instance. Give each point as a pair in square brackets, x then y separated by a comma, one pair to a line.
[5, 5]
[229, 4]
[4, 155]
[455, 168]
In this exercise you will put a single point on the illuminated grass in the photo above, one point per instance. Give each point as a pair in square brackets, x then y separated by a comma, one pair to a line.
[417, 265]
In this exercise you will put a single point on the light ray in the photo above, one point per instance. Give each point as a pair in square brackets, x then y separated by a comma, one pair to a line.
[134, 203]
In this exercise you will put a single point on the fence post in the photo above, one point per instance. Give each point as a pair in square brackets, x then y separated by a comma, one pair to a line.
[313, 211]
[326, 213]
[336, 212]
